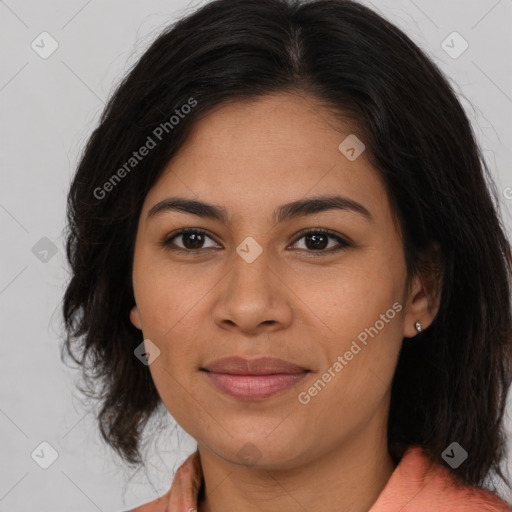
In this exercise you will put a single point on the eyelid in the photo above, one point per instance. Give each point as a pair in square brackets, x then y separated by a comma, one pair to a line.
[343, 241]
[329, 232]
[166, 242]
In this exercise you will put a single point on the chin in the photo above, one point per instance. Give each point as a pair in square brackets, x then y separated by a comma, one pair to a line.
[260, 449]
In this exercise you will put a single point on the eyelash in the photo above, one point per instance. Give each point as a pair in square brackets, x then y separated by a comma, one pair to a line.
[343, 243]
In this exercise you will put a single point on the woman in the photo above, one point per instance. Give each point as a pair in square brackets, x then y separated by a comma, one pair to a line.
[283, 231]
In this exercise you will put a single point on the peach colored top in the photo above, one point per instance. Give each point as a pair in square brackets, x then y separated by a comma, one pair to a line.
[411, 488]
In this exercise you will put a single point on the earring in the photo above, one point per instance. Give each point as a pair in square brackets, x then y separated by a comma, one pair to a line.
[417, 325]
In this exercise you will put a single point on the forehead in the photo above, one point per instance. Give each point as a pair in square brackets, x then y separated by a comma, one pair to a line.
[254, 156]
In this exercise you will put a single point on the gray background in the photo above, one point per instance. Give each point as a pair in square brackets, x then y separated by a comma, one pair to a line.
[48, 109]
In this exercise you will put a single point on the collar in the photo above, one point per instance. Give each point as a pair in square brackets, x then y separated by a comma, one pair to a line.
[416, 485]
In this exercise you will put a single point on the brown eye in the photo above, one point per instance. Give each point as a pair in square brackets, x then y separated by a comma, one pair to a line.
[191, 240]
[318, 241]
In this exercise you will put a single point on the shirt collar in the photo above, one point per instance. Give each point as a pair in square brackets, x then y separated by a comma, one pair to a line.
[416, 485]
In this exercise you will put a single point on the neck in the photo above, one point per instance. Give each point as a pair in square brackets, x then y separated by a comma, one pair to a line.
[348, 477]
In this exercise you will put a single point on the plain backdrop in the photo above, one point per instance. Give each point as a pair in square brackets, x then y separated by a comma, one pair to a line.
[49, 106]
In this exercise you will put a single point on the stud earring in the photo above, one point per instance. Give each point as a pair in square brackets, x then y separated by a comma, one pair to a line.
[417, 325]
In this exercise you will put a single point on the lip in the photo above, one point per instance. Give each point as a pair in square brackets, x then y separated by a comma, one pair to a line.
[253, 379]
[237, 365]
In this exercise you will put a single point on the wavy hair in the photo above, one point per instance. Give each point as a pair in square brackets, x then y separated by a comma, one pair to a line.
[451, 382]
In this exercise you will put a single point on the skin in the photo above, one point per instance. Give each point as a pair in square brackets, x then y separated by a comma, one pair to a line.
[250, 158]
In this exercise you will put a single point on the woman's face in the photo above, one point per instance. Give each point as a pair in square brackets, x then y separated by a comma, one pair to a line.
[257, 284]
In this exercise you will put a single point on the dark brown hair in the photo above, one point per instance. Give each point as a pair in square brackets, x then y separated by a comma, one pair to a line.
[451, 382]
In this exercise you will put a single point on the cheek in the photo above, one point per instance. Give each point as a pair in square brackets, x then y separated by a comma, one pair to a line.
[175, 374]
[347, 392]
[363, 314]
[169, 303]
[351, 296]
[165, 294]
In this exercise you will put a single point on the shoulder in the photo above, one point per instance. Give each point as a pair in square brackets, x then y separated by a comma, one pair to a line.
[417, 485]
[183, 492]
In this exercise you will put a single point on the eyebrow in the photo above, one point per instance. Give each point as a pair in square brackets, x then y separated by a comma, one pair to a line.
[301, 207]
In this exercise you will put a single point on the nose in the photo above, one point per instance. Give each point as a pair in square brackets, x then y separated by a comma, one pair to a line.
[253, 297]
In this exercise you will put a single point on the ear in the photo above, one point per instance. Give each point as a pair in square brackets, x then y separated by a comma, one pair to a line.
[135, 317]
[425, 292]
